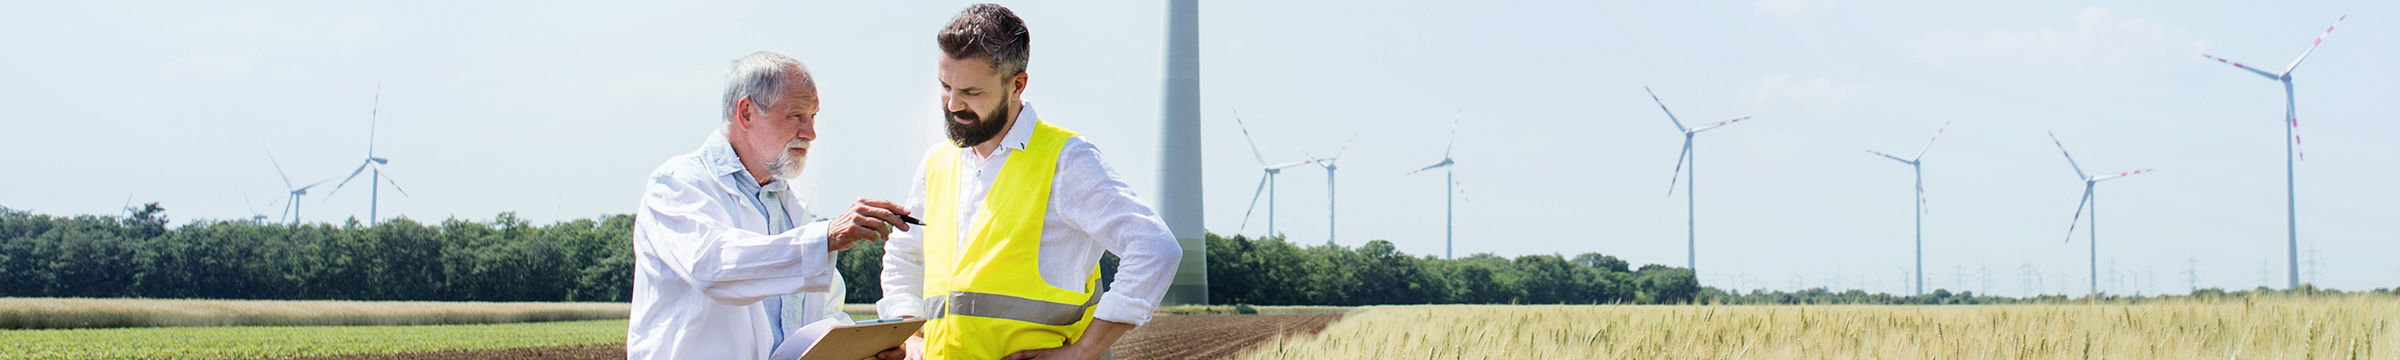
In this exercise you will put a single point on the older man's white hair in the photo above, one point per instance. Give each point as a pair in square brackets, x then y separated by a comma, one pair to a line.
[762, 76]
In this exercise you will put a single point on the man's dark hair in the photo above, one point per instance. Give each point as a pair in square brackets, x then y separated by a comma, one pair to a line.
[989, 32]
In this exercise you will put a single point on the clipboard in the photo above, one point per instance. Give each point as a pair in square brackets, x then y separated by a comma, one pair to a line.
[848, 341]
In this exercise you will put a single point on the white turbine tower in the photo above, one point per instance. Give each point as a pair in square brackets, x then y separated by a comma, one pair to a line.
[1330, 166]
[2291, 116]
[1449, 178]
[1266, 182]
[1179, 153]
[1917, 164]
[2088, 199]
[1691, 227]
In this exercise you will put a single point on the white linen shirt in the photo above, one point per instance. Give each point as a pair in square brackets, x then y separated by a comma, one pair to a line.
[1090, 210]
[705, 257]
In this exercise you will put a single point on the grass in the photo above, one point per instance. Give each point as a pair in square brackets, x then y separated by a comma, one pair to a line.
[2272, 327]
[292, 341]
[66, 313]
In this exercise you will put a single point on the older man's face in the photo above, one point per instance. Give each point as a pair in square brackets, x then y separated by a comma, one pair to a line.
[785, 129]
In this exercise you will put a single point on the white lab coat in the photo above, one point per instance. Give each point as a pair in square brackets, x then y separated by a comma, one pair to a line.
[704, 261]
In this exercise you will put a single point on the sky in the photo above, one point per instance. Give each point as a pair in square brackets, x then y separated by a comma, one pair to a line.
[556, 110]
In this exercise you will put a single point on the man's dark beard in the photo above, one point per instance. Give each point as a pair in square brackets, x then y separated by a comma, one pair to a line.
[978, 129]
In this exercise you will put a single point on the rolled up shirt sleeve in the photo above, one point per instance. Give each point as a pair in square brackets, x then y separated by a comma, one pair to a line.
[687, 231]
[1098, 202]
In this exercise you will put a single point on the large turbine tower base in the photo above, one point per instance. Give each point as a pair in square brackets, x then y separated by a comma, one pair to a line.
[1179, 155]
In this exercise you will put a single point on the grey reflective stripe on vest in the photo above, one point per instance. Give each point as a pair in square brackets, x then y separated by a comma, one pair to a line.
[1007, 307]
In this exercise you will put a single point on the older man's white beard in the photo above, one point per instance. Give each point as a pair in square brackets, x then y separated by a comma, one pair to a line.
[786, 166]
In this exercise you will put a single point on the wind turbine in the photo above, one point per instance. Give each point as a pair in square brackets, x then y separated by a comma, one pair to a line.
[1266, 182]
[1450, 178]
[2291, 116]
[2088, 197]
[255, 216]
[1691, 240]
[1330, 166]
[291, 208]
[375, 192]
[1917, 163]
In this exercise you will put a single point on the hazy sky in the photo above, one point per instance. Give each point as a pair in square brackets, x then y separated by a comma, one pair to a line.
[557, 110]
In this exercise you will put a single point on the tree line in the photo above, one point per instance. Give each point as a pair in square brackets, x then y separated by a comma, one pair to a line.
[507, 258]
[503, 259]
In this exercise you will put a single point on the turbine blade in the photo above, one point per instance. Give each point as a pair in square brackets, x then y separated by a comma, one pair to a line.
[2087, 199]
[2312, 45]
[374, 112]
[287, 179]
[362, 167]
[1445, 163]
[1337, 154]
[304, 189]
[2120, 174]
[2294, 122]
[1237, 121]
[1937, 135]
[1453, 134]
[1291, 164]
[387, 179]
[1894, 158]
[1262, 190]
[1462, 189]
[2062, 150]
[1662, 106]
[246, 202]
[2238, 64]
[1687, 153]
[1720, 124]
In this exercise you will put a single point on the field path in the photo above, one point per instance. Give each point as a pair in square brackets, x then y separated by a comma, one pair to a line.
[1212, 336]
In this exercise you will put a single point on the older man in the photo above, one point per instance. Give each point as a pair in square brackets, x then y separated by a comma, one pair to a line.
[723, 272]
[1017, 214]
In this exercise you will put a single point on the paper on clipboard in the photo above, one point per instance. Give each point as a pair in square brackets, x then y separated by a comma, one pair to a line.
[831, 340]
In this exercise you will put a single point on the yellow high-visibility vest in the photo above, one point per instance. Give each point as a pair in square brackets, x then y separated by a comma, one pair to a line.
[986, 295]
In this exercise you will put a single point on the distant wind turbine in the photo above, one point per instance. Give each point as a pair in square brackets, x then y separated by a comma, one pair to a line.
[1330, 166]
[2291, 116]
[255, 216]
[1917, 163]
[1691, 227]
[375, 192]
[1450, 178]
[1266, 182]
[291, 208]
[2088, 199]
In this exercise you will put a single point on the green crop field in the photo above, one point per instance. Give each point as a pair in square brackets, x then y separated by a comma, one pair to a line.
[246, 342]
[67, 313]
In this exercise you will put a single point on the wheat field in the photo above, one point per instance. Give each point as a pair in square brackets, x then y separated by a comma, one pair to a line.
[2273, 327]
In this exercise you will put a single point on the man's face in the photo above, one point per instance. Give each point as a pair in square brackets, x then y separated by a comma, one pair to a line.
[978, 102]
[785, 129]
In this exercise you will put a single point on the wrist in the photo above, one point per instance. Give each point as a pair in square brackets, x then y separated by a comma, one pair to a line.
[1089, 349]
